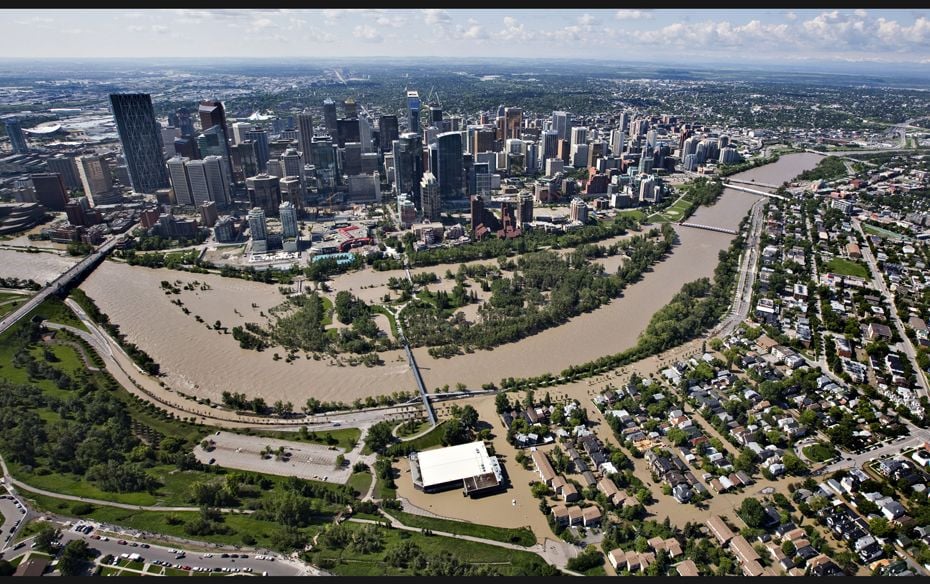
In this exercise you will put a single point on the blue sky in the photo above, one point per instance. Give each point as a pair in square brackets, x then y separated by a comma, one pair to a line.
[668, 36]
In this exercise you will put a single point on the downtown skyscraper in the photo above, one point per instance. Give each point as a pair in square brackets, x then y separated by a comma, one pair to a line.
[140, 136]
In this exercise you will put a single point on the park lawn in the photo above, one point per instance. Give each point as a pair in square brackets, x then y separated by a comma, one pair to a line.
[132, 565]
[382, 491]
[69, 361]
[846, 267]
[420, 427]
[71, 485]
[595, 571]
[55, 310]
[875, 230]
[4, 296]
[360, 481]
[157, 521]
[429, 440]
[675, 212]
[327, 311]
[507, 561]
[346, 438]
[634, 213]
[520, 536]
[819, 452]
[109, 571]
[6, 309]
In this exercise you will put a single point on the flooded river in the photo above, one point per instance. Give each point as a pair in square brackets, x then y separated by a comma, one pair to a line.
[204, 362]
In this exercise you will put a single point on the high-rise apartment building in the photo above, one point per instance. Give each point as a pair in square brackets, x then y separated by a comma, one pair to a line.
[140, 137]
[579, 210]
[258, 228]
[288, 214]
[264, 191]
[96, 180]
[67, 168]
[50, 190]
[179, 180]
[429, 193]
[305, 132]
[562, 123]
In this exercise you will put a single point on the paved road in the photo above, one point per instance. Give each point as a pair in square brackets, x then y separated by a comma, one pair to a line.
[879, 282]
[739, 310]
[60, 282]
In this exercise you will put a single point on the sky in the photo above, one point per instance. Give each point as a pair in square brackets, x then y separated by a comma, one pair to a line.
[667, 36]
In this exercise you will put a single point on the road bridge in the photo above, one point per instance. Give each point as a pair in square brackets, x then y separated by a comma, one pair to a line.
[61, 283]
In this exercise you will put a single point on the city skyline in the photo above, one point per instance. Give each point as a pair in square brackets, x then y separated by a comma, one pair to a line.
[788, 36]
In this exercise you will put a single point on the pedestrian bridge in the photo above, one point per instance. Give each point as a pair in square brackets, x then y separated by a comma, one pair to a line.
[754, 191]
[709, 228]
[749, 182]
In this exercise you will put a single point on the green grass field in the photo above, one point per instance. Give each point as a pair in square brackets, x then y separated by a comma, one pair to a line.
[846, 267]
[428, 440]
[506, 561]
[402, 432]
[673, 213]
[360, 481]
[55, 310]
[158, 521]
[10, 306]
[346, 438]
[881, 232]
[520, 536]
[819, 452]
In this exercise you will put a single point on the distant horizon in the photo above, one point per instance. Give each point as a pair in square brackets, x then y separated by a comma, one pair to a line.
[894, 70]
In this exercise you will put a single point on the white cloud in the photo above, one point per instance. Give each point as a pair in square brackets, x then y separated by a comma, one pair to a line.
[395, 21]
[474, 32]
[791, 15]
[586, 19]
[513, 31]
[262, 23]
[436, 16]
[627, 14]
[860, 13]
[367, 33]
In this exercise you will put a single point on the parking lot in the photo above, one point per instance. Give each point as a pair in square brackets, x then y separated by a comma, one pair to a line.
[300, 459]
[14, 515]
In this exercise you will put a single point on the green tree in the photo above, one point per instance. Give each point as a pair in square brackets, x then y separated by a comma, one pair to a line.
[45, 536]
[74, 557]
[880, 527]
[752, 512]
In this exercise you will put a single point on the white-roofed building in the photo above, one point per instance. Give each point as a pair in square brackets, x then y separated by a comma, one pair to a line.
[467, 465]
